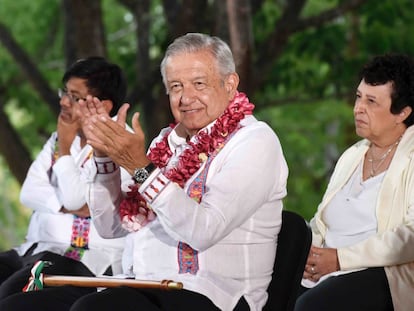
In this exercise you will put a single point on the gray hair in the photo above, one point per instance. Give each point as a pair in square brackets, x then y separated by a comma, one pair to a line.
[194, 42]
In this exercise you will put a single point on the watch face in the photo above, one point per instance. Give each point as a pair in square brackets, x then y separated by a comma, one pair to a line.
[140, 175]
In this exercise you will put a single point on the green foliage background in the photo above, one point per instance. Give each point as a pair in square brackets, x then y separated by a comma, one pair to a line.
[307, 100]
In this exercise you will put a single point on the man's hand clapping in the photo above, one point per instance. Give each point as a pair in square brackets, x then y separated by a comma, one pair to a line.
[111, 138]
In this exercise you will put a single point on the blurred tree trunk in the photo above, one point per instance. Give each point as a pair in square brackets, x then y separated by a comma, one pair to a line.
[153, 111]
[84, 29]
[241, 39]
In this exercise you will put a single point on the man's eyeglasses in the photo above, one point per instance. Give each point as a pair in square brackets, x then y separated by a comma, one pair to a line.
[73, 98]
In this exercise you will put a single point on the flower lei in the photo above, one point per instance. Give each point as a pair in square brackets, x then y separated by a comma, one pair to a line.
[134, 210]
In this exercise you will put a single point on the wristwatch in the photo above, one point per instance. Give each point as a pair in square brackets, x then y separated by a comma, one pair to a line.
[141, 174]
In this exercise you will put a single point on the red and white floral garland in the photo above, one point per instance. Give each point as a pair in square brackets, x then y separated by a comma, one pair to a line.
[134, 211]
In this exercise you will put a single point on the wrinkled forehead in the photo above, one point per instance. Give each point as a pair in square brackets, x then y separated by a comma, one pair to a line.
[187, 62]
[376, 90]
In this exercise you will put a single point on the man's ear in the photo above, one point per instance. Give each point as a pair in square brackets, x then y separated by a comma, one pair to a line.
[231, 83]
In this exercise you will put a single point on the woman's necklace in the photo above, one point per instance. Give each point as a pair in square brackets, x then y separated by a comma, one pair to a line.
[134, 211]
[374, 168]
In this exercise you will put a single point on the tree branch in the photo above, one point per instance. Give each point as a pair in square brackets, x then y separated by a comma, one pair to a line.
[290, 23]
[12, 147]
[327, 16]
[32, 73]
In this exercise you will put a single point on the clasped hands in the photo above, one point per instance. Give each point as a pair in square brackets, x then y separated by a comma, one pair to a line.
[81, 212]
[110, 137]
[320, 262]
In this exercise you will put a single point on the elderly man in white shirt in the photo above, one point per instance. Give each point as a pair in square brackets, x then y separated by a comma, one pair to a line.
[206, 205]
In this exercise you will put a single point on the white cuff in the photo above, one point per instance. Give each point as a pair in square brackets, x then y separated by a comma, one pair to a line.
[105, 165]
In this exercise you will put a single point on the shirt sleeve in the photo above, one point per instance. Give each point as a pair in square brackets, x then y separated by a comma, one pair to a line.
[105, 189]
[70, 188]
[38, 191]
[104, 194]
[53, 184]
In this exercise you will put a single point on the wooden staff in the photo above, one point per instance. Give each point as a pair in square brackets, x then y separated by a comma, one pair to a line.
[83, 281]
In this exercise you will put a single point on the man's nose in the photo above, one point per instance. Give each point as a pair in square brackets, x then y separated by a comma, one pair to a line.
[64, 101]
[187, 95]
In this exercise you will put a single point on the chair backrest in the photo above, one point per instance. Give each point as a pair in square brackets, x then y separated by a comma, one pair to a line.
[293, 246]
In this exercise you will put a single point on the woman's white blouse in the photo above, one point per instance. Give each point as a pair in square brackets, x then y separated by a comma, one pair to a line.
[350, 216]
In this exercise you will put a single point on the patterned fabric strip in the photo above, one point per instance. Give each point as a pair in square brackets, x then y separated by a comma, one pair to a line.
[187, 259]
[187, 256]
[79, 239]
